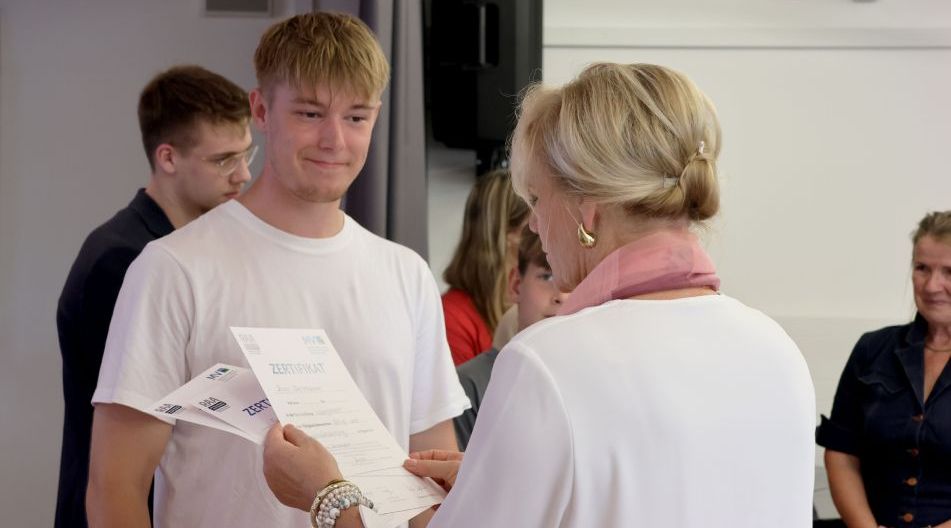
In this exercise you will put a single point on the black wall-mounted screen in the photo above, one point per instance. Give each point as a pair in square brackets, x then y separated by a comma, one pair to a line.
[481, 54]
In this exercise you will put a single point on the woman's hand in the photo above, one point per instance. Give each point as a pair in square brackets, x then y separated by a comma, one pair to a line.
[437, 464]
[296, 466]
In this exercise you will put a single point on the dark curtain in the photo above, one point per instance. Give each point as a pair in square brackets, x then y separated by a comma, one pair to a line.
[390, 196]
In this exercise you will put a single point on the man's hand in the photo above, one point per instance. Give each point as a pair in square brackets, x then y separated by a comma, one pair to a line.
[296, 466]
[442, 466]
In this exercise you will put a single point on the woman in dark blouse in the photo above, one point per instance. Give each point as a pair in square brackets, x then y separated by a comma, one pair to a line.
[888, 442]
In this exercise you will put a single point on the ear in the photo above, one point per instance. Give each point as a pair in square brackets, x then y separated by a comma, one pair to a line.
[165, 158]
[259, 109]
[589, 214]
[515, 285]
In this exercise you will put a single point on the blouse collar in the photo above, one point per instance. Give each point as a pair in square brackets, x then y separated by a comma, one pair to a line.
[665, 260]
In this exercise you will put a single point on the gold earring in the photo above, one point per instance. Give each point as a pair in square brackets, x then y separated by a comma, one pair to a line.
[586, 239]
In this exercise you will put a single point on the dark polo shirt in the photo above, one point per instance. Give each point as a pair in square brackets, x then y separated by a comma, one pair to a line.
[82, 319]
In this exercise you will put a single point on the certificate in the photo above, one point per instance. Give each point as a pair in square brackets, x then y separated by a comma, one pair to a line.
[238, 400]
[308, 385]
[180, 403]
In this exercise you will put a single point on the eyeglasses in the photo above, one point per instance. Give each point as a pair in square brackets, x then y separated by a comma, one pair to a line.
[227, 166]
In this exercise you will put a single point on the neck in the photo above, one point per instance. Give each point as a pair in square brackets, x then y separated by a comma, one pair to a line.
[168, 201]
[663, 264]
[273, 204]
[939, 337]
[629, 229]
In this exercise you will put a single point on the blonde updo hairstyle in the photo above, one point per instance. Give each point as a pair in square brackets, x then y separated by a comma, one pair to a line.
[626, 135]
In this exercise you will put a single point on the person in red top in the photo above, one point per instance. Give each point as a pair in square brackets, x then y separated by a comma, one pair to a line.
[477, 275]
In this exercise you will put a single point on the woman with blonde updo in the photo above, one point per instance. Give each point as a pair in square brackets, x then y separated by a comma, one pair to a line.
[651, 399]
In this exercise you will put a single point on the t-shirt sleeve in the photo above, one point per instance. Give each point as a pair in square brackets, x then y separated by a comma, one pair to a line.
[144, 357]
[518, 468]
[841, 431]
[437, 394]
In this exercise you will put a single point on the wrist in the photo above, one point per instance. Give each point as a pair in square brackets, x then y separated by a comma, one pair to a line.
[333, 500]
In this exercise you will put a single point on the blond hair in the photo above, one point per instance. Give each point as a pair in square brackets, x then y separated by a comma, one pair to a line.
[493, 210]
[936, 224]
[628, 135]
[322, 47]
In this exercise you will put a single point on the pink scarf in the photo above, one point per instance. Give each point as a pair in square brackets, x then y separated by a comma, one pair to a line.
[666, 260]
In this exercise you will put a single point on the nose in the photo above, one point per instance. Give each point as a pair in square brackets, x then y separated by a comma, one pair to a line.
[935, 282]
[331, 135]
[560, 298]
[242, 174]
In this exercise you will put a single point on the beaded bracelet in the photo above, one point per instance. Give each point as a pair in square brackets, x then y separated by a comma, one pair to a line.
[337, 496]
[332, 485]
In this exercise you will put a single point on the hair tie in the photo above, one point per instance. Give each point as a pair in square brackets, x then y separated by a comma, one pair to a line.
[670, 181]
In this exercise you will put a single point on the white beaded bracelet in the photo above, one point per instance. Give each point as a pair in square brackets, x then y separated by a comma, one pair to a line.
[331, 501]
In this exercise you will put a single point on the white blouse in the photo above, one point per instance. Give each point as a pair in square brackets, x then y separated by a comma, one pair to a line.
[687, 412]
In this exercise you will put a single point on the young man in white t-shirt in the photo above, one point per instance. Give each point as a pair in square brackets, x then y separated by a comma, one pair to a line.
[283, 254]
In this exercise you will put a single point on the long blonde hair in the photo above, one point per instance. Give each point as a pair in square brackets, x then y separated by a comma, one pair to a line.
[493, 210]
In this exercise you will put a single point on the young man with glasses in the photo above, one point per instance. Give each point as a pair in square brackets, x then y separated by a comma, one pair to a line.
[195, 131]
[282, 255]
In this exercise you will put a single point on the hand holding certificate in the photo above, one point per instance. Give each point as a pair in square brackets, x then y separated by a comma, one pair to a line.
[296, 377]
[309, 387]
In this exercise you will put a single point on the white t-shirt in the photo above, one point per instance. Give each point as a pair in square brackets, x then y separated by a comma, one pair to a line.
[377, 301]
[695, 412]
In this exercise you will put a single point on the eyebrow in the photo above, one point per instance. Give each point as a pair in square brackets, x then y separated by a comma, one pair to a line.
[220, 156]
[315, 102]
